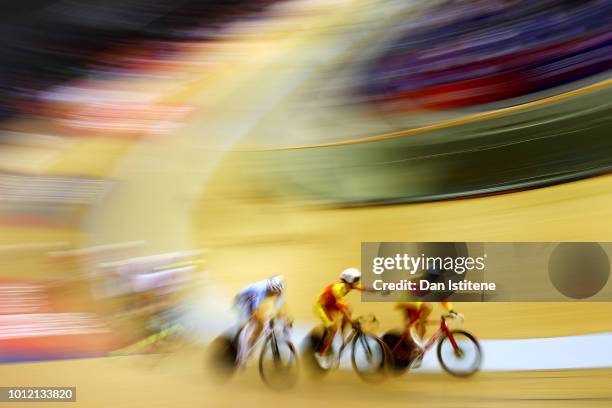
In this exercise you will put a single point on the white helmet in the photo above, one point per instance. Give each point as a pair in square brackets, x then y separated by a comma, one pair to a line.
[350, 275]
[276, 284]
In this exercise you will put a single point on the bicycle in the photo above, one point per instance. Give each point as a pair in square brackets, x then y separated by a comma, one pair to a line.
[155, 347]
[454, 346]
[369, 354]
[278, 358]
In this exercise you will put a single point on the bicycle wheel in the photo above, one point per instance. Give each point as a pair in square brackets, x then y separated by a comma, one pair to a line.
[221, 357]
[369, 357]
[399, 353]
[278, 363]
[464, 363]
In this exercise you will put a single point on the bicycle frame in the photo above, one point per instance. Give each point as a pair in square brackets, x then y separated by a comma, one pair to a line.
[356, 331]
[347, 340]
[443, 330]
[267, 331]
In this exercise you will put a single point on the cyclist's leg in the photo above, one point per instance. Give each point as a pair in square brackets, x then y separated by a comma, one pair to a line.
[327, 317]
[344, 312]
[419, 328]
[250, 326]
[257, 322]
[412, 315]
[421, 323]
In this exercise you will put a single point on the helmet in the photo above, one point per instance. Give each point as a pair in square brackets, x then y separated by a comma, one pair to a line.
[276, 284]
[350, 275]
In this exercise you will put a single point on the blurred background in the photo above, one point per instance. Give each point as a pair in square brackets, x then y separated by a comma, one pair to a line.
[157, 156]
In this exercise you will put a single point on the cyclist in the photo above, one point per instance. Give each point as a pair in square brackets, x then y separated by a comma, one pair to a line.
[329, 305]
[415, 317]
[249, 300]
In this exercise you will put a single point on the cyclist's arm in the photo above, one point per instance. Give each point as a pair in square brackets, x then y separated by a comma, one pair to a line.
[448, 306]
[279, 305]
[362, 289]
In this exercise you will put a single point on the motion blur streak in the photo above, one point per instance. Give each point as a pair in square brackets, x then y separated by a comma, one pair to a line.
[470, 53]
[153, 162]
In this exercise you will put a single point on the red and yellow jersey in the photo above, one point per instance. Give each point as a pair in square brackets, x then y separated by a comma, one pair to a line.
[418, 305]
[335, 293]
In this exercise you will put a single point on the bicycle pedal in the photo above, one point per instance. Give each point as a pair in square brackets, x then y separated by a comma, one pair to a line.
[417, 362]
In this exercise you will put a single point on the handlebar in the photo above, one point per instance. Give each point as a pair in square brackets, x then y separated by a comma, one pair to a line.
[453, 316]
[361, 321]
[285, 320]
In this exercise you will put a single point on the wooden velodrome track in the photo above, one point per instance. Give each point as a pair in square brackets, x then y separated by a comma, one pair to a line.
[254, 237]
[180, 381]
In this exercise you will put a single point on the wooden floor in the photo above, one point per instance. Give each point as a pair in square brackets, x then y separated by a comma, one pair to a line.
[180, 381]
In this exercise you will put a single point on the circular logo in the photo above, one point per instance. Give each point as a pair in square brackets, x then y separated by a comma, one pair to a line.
[579, 270]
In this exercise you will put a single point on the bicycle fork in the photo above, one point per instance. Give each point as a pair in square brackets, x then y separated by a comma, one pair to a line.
[453, 342]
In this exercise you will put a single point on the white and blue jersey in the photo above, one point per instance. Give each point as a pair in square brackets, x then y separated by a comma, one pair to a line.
[249, 298]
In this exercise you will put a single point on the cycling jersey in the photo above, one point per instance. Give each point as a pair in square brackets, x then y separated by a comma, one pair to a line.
[418, 305]
[331, 301]
[249, 298]
[413, 310]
